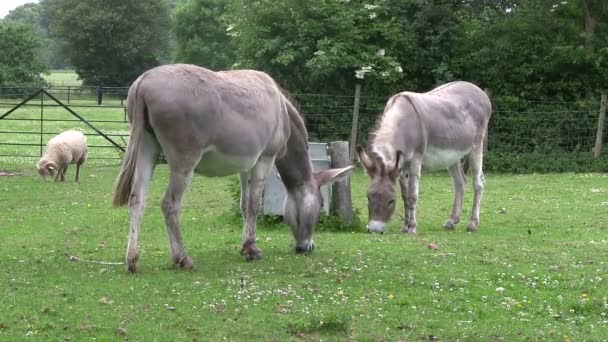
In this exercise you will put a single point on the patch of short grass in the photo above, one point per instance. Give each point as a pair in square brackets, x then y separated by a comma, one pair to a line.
[535, 270]
[63, 78]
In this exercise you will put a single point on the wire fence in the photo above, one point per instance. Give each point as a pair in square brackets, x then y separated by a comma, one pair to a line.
[517, 127]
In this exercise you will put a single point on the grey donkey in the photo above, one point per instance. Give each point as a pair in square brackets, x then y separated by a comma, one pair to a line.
[431, 130]
[217, 124]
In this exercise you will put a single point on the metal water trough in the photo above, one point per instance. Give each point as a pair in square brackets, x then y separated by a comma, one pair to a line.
[274, 190]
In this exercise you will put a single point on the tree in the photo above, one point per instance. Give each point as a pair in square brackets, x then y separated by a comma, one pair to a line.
[534, 51]
[320, 45]
[202, 38]
[19, 64]
[34, 17]
[111, 42]
[593, 11]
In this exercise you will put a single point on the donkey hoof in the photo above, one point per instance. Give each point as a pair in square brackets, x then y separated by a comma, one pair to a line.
[472, 227]
[131, 263]
[306, 248]
[408, 230]
[251, 253]
[449, 225]
[186, 264]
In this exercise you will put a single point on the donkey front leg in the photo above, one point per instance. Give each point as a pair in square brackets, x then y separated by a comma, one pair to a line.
[412, 197]
[403, 184]
[244, 193]
[459, 186]
[252, 206]
[171, 207]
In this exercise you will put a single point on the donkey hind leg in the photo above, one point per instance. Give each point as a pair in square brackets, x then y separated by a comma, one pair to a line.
[149, 151]
[459, 181]
[179, 179]
[412, 196]
[254, 200]
[476, 161]
[403, 184]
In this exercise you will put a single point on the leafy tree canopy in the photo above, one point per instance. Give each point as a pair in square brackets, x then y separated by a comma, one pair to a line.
[202, 38]
[34, 16]
[111, 42]
[19, 64]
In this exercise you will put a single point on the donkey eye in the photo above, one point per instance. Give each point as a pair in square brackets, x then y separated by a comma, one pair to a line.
[391, 202]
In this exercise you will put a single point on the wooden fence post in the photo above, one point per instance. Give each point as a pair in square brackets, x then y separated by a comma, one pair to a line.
[341, 203]
[355, 124]
[597, 151]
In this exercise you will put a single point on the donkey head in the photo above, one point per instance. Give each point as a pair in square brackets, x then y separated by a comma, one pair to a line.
[46, 169]
[381, 196]
[303, 206]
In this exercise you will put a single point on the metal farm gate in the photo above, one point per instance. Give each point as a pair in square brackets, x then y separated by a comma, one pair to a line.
[25, 128]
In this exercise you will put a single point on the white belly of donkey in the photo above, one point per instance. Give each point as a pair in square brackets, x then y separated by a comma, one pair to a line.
[215, 164]
[435, 158]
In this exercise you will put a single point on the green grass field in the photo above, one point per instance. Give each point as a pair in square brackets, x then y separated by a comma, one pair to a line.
[535, 270]
[63, 78]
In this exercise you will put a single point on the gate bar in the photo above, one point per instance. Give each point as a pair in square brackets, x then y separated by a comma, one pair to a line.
[20, 104]
[82, 119]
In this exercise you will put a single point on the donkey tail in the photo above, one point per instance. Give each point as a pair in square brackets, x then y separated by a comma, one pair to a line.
[124, 181]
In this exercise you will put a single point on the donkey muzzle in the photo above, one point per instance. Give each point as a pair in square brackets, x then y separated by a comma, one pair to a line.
[305, 247]
[376, 226]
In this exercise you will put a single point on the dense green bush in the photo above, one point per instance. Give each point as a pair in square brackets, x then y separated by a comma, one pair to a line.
[544, 163]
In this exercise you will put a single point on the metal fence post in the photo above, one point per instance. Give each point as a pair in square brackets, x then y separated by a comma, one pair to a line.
[355, 125]
[68, 94]
[41, 121]
[597, 151]
[99, 95]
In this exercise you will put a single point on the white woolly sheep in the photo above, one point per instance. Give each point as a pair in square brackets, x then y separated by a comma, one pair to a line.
[69, 147]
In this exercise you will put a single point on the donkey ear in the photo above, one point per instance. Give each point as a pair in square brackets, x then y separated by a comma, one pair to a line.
[398, 166]
[399, 160]
[368, 165]
[332, 175]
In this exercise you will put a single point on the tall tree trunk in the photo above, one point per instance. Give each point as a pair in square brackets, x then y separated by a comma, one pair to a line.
[590, 23]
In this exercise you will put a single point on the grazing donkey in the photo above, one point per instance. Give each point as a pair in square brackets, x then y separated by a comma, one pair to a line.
[217, 124]
[431, 130]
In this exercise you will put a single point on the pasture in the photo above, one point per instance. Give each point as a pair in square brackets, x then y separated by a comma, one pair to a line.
[535, 270]
[63, 78]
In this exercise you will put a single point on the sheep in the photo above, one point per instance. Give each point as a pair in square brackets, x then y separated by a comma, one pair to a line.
[69, 147]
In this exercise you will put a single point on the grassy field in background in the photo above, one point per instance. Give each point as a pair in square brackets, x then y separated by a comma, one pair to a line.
[535, 270]
[63, 78]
